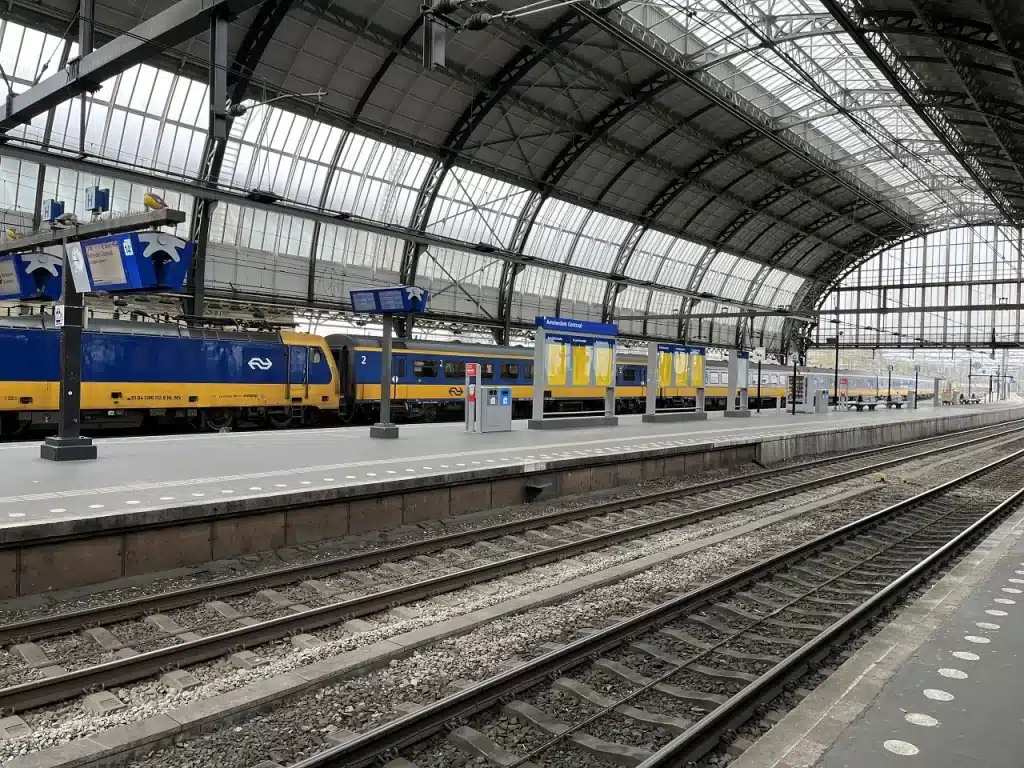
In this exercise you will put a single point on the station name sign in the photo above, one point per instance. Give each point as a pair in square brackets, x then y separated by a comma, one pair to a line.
[584, 327]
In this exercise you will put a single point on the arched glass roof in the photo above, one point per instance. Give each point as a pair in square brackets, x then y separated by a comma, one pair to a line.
[669, 162]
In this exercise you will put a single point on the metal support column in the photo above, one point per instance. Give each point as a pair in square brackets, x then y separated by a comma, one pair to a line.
[836, 382]
[385, 428]
[758, 386]
[69, 445]
[792, 390]
[218, 106]
[733, 386]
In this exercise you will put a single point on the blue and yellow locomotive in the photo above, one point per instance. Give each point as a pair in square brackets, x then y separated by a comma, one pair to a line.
[150, 373]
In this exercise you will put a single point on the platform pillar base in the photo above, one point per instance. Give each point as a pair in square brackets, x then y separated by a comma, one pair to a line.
[737, 414]
[668, 418]
[573, 422]
[384, 431]
[67, 449]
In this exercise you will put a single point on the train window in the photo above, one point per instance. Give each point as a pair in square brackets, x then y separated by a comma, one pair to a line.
[455, 370]
[712, 377]
[398, 367]
[487, 371]
[773, 379]
[529, 372]
[510, 370]
[315, 357]
[425, 369]
[629, 374]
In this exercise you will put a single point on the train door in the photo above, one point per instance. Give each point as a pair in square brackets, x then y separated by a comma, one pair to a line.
[298, 373]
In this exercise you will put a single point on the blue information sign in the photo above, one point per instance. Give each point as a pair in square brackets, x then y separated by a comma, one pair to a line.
[577, 326]
[136, 261]
[30, 276]
[399, 300]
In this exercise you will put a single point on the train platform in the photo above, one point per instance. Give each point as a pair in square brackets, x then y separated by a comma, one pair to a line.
[151, 504]
[939, 686]
[138, 474]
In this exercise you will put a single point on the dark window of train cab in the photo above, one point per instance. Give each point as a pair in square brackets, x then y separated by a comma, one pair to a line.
[425, 369]
[510, 371]
[529, 372]
[487, 371]
[455, 371]
[629, 374]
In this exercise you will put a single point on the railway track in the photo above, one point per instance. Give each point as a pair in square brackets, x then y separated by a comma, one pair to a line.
[661, 688]
[137, 639]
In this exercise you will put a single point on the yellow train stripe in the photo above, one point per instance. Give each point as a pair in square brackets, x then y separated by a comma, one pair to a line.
[456, 392]
[44, 396]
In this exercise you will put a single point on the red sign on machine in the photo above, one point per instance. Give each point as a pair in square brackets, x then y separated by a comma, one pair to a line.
[471, 371]
[842, 381]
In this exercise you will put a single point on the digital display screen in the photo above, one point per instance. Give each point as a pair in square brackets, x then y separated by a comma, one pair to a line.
[9, 279]
[391, 301]
[105, 263]
[363, 302]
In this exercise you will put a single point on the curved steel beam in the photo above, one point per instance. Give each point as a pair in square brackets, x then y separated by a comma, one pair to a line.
[883, 56]
[339, 151]
[484, 101]
[662, 200]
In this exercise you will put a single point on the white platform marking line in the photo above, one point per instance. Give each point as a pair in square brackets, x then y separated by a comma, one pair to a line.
[954, 674]
[916, 718]
[966, 655]
[937, 695]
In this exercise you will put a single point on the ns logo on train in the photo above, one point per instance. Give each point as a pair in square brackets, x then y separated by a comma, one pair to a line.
[261, 364]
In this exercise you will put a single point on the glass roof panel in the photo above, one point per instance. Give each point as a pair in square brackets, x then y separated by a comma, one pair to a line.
[477, 209]
[938, 275]
[790, 60]
[376, 180]
[556, 231]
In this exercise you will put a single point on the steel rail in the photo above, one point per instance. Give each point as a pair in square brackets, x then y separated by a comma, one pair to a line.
[48, 626]
[59, 688]
[705, 735]
[391, 737]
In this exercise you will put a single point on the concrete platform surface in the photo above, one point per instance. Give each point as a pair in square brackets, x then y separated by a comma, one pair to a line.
[135, 474]
[957, 701]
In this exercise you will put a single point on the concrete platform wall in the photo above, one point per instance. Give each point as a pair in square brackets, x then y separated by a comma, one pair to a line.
[67, 555]
[775, 450]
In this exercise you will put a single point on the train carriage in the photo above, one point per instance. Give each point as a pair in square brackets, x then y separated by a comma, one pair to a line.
[136, 374]
[139, 374]
[429, 379]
